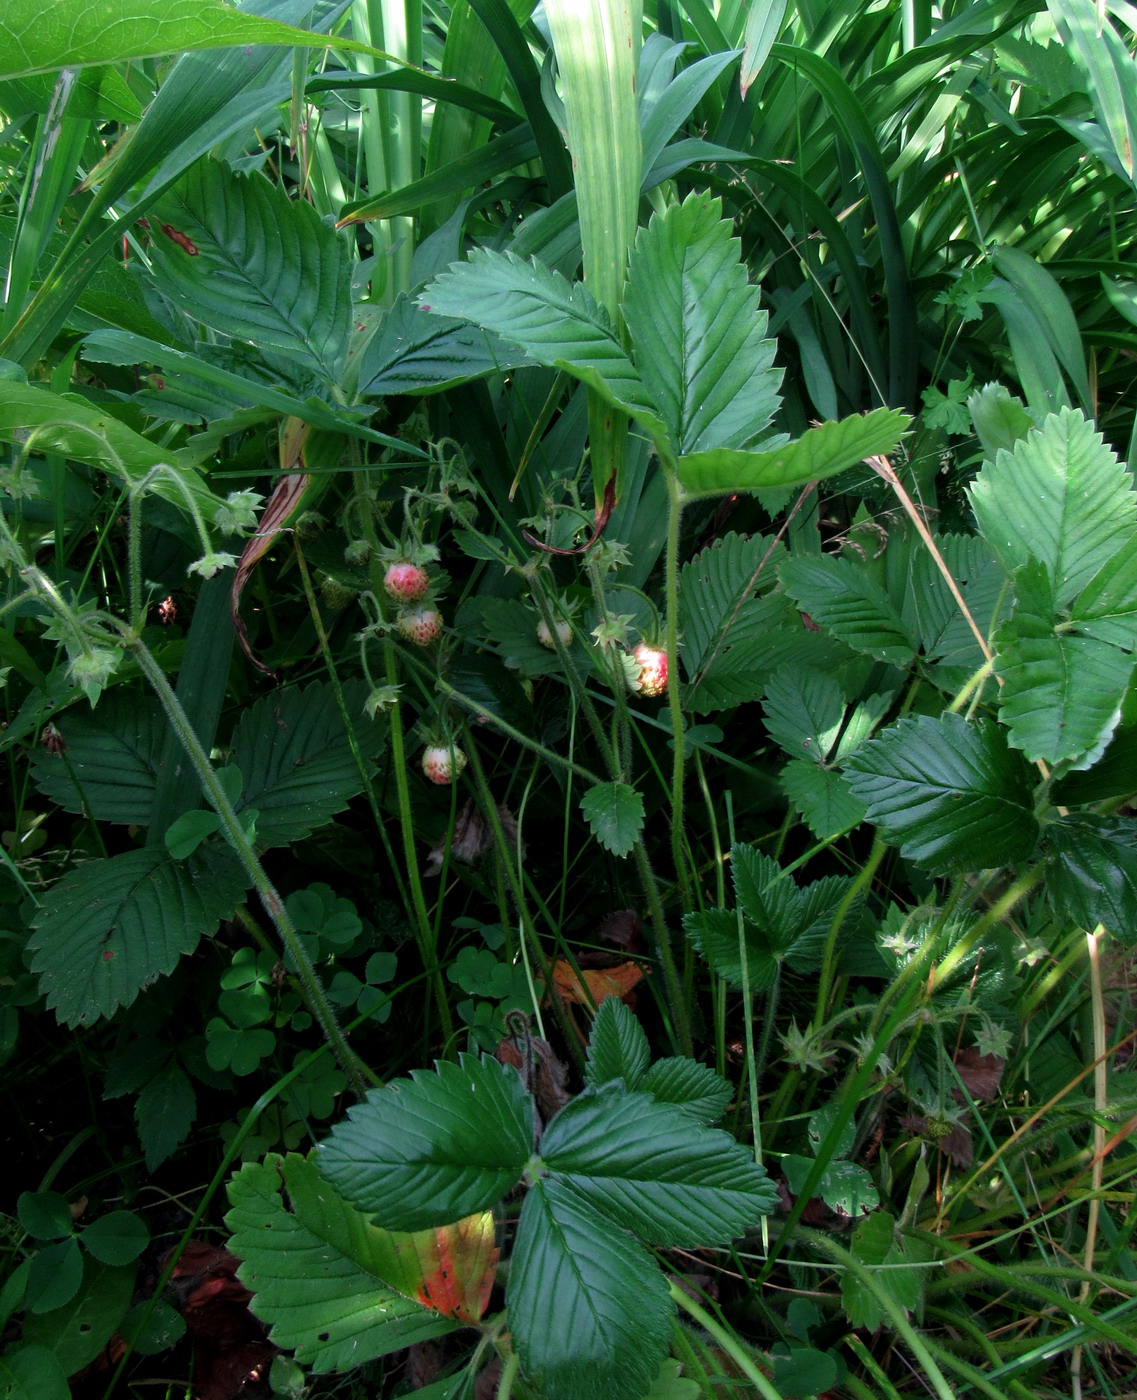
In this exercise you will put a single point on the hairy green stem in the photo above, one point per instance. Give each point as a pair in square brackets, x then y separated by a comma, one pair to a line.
[428, 946]
[674, 703]
[315, 998]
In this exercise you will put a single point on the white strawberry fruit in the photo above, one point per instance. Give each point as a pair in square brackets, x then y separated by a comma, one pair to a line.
[652, 665]
[420, 625]
[406, 582]
[442, 765]
[564, 632]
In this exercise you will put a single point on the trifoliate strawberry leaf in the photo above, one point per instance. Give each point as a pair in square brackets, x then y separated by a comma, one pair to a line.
[822, 797]
[849, 603]
[769, 900]
[415, 352]
[1092, 872]
[588, 1307]
[803, 708]
[297, 761]
[646, 1167]
[694, 1088]
[264, 269]
[617, 1046]
[164, 1112]
[615, 815]
[556, 322]
[428, 1150]
[1060, 496]
[107, 764]
[315, 1267]
[700, 339]
[952, 795]
[111, 927]
[819, 452]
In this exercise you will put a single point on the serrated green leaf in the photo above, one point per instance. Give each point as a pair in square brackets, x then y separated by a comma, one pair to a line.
[77, 1332]
[646, 1167]
[841, 597]
[416, 352]
[108, 765]
[844, 1186]
[1107, 607]
[313, 1269]
[803, 709]
[733, 641]
[118, 1238]
[952, 795]
[822, 797]
[717, 588]
[1000, 419]
[110, 927]
[1060, 496]
[615, 815]
[555, 322]
[768, 901]
[588, 1308]
[1061, 695]
[264, 269]
[164, 1113]
[819, 452]
[617, 1046]
[1092, 872]
[32, 1373]
[431, 1149]
[296, 759]
[694, 1088]
[700, 340]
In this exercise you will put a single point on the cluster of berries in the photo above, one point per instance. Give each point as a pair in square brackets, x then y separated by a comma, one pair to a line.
[418, 620]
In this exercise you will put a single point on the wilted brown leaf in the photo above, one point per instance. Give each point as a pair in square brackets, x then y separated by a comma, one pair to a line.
[595, 983]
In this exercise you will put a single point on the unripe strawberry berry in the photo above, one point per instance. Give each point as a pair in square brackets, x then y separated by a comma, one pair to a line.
[441, 765]
[564, 632]
[405, 582]
[653, 669]
[420, 625]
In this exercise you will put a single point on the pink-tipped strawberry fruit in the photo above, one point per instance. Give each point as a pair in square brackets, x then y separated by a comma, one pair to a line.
[564, 632]
[406, 582]
[420, 625]
[442, 765]
[653, 669]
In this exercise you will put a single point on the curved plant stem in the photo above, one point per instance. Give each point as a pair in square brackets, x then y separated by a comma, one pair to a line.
[859, 885]
[315, 998]
[674, 704]
[428, 949]
[727, 1341]
[891, 1309]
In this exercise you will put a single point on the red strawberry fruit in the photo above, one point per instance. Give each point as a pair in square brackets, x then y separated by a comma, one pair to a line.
[653, 669]
[442, 765]
[420, 625]
[406, 582]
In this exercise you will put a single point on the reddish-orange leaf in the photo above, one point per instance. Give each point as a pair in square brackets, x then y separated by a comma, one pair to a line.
[595, 983]
[455, 1265]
